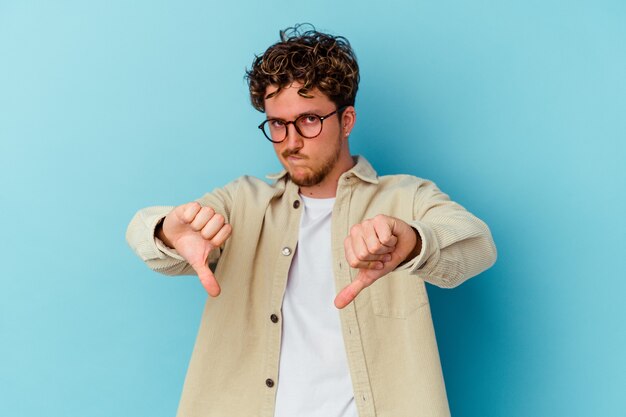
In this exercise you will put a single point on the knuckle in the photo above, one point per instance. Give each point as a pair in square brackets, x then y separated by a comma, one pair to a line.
[193, 207]
[386, 240]
[362, 253]
[376, 247]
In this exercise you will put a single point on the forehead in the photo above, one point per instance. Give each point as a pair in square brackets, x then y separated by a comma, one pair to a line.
[287, 101]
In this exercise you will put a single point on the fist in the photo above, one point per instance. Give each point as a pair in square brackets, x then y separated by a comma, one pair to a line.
[194, 231]
[376, 247]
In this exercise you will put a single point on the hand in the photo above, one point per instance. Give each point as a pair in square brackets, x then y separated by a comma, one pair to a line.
[376, 247]
[194, 231]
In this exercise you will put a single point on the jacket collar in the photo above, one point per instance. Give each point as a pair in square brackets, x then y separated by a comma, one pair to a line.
[362, 169]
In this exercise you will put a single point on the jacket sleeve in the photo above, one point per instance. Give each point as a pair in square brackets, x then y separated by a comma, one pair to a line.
[456, 245]
[157, 256]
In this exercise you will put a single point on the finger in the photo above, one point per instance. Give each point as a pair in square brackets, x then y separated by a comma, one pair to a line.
[376, 246]
[207, 279]
[377, 265]
[212, 226]
[222, 235]
[373, 241]
[187, 212]
[202, 217]
[375, 261]
[349, 293]
[384, 228]
[362, 252]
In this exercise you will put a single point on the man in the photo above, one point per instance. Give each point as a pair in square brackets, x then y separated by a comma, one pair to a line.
[322, 308]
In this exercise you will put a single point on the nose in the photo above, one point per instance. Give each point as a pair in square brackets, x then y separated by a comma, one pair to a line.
[293, 141]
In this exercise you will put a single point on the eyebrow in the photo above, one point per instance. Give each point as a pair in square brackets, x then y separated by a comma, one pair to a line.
[315, 112]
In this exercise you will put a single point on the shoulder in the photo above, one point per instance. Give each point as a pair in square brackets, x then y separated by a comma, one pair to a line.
[408, 186]
[402, 182]
[244, 188]
[255, 183]
[250, 187]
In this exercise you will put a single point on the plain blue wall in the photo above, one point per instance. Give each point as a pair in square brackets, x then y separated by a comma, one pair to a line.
[515, 109]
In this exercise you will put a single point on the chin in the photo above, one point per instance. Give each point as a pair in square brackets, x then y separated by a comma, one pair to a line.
[303, 181]
[308, 181]
[307, 176]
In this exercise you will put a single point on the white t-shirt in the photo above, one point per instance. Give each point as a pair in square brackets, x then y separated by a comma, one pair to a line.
[313, 378]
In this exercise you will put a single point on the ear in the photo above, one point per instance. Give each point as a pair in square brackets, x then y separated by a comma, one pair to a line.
[348, 119]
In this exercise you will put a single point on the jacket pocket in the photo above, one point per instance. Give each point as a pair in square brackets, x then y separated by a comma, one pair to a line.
[398, 294]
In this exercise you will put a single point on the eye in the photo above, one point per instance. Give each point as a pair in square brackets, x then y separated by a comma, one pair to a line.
[276, 124]
[310, 119]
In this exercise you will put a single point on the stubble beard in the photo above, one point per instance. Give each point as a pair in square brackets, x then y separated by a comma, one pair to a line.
[318, 175]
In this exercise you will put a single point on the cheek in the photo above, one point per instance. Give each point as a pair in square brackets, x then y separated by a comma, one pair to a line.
[334, 132]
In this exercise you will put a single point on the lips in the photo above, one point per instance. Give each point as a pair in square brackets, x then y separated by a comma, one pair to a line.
[294, 158]
[293, 155]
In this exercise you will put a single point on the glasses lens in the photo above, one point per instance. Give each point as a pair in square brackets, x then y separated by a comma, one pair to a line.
[309, 125]
[275, 130]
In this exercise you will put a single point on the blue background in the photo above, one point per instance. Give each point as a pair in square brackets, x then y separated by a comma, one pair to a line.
[514, 108]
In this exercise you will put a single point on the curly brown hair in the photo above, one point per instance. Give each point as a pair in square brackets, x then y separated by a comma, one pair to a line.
[315, 59]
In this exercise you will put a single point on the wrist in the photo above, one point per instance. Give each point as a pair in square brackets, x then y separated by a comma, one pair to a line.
[160, 234]
[417, 249]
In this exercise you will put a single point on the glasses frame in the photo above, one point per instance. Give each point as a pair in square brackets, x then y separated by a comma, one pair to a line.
[293, 122]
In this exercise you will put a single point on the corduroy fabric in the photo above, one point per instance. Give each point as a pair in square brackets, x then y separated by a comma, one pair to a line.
[388, 331]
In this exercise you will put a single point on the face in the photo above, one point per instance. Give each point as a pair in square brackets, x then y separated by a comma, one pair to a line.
[318, 161]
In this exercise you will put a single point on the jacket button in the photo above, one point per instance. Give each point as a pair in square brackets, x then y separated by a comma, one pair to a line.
[269, 382]
[286, 251]
[274, 318]
[296, 204]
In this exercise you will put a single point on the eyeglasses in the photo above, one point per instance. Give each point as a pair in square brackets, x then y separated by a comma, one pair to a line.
[307, 125]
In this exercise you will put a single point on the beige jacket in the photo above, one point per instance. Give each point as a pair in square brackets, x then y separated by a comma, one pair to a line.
[388, 330]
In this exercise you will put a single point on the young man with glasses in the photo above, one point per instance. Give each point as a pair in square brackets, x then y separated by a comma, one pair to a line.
[322, 307]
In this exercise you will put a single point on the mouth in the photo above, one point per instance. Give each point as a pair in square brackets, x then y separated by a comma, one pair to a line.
[291, 157]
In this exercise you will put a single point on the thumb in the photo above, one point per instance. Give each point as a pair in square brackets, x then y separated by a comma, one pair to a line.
[207, 279]
[350, 291]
